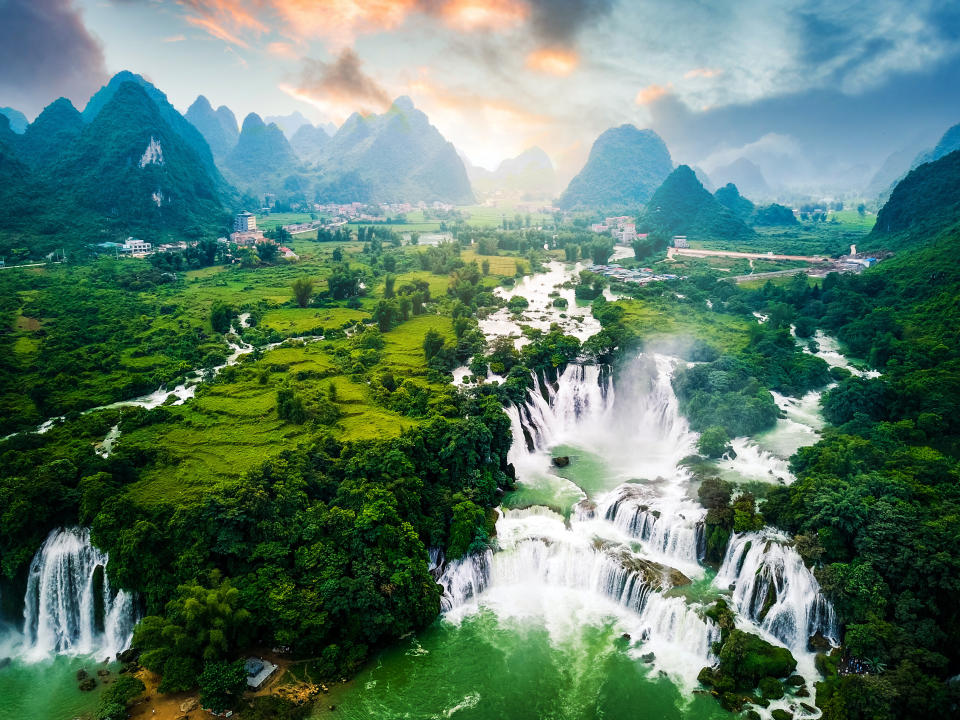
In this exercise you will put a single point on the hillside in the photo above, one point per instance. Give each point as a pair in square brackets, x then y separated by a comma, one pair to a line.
[926, 201]
[126, 173]
[289, 124]
[218, 127]
[394, 157]
[774, 215]
[54, 130]
[18, 121]
[528, 175]
[262, 157]
[746, 175]
[948, 143]
[729, 196]
[309, 142]
[625, 167]
[174, 119]
[682, 206]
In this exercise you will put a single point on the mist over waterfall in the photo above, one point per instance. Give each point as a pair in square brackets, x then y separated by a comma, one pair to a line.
[774, 589]
[69, 606]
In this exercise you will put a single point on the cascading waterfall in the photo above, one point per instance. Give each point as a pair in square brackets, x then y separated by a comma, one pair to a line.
[669, 532]
[69, 606]
[773, 588]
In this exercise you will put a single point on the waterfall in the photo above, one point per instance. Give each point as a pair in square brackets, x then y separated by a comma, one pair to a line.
[754, 463]
[69, 606]
[666, 530]
[464, 579]
[773, 588]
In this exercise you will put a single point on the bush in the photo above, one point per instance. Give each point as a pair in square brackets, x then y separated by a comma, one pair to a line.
[221, 683]
[713, 442]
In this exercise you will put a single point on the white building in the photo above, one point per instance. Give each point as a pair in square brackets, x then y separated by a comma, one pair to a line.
[135, 247]
[245, 222]
[680, 241]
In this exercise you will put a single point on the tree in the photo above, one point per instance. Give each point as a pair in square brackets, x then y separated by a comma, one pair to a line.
[267, 251]
[432, 344]
[713, 442]
[388, 282]
[337, 255]
[221, 684]
[302, 291]
[220, 316]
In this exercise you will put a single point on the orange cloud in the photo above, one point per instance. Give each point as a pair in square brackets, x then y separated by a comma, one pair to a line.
[469, 15]
[216, 30]
[703, 72]
[282, 49]
[652, 93]
[553, 61]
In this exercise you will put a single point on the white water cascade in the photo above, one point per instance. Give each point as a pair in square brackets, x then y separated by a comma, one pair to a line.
[774, 589]
[633, 532]
[69, 606]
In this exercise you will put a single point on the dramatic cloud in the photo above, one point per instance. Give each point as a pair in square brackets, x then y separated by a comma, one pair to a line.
[555, 61]
[46, 52]
[558, 22]
[341, 83]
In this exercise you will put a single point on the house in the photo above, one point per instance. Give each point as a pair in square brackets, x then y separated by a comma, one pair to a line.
[135, 247]
[680, 241]
[258, 671]
[245, 222]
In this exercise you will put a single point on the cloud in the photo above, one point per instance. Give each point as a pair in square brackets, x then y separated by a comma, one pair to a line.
[340, 83]
[558, 22]
[553, 61]
[45, 52]
[216, 30]
[651, 93]
[470, 15]
[702, 72]
[175, 38]
[282, 49]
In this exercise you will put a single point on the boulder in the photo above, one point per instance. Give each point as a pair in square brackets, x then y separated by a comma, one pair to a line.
[818, 643]
[188, 705]
[795, 680]
[129, 655]
[87, 684]
[561, 460]
[103, 672]
[648, 658]
[781, 714]
[82, 674]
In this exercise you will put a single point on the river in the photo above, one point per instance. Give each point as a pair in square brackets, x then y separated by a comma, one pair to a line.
[590, 604]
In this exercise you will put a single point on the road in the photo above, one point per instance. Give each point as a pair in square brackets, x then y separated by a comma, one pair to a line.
[695, 252]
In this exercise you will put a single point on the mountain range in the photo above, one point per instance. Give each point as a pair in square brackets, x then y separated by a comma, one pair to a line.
[394, 157]
[746, 175]
[128, 171]
[218, 127]
[528, 175]
[17, 120]
[262, 157]
[626, 165]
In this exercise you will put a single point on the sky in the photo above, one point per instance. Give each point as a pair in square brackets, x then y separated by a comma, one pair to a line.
[814, 91]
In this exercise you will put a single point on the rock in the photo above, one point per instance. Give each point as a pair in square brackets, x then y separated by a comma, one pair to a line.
[188, 705]
[561, 460]
[625, 636]
[129, 655]
[818, 643]
[809, 708]
[752, 715]
[648, 658]
[795, 680]
[103, 672]
[780, 714]
[82, 674]
[87, 684]
[802, 692]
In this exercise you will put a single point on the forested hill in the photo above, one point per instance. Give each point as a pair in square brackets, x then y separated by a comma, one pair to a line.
[128, 172]
[876, 504]
[681, 205]
[925, 202]
[625, 167]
